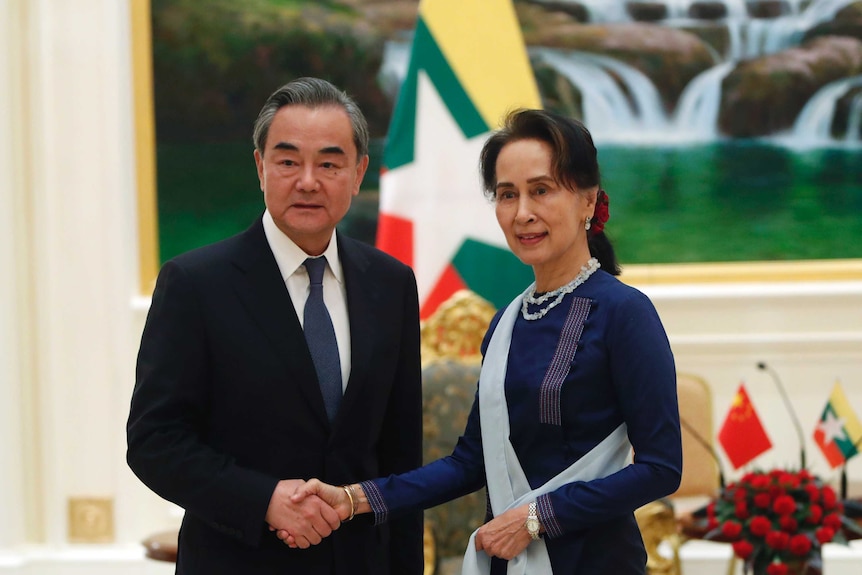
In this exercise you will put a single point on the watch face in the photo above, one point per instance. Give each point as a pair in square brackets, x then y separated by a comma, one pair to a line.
[532, 525]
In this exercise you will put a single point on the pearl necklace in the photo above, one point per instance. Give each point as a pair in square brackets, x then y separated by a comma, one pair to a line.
[586, 271]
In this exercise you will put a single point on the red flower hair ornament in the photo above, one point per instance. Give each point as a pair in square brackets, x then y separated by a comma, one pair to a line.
[601, 214]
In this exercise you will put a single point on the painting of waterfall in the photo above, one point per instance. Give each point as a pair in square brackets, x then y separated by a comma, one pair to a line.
[728, 130]
[755, 155]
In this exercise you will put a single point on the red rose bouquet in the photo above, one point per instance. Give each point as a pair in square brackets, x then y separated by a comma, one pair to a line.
[777, 521]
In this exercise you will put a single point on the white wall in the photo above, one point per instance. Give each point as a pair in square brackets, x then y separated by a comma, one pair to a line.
[13, 302]
[70, 318]
[68, 250]
[809, 333]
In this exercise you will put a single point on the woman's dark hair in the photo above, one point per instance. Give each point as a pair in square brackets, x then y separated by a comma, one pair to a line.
[574, 162]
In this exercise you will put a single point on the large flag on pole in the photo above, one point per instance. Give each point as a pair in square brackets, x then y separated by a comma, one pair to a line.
[838, 432]
[468, 67]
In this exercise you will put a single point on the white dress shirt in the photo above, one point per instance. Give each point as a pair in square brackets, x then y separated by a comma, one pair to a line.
[290, 259]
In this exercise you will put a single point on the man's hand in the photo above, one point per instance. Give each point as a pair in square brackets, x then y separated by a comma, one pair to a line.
[333, 496]
[506, 535]
[307, 521]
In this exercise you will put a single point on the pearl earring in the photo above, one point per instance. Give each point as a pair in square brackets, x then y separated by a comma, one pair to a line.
[587, 223]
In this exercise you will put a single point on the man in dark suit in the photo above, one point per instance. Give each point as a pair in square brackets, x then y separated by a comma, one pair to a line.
[228, 415]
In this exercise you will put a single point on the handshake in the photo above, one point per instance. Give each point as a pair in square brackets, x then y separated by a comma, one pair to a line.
[303, 513]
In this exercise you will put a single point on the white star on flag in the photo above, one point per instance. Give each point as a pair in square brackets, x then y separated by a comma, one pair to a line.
[832, 428]
[440, 216]
[468, 68]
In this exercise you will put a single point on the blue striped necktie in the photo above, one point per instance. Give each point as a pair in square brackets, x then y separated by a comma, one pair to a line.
[320, 336]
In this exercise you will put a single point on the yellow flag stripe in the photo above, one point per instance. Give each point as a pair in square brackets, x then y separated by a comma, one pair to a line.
[845, 412]
[482, 41]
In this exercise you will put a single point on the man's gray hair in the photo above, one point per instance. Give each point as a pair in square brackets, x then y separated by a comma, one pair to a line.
[311, 92]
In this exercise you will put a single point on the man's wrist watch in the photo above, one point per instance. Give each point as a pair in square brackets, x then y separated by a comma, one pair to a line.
[532, 523]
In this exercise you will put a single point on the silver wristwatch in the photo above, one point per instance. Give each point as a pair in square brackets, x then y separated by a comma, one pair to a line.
[532, 523]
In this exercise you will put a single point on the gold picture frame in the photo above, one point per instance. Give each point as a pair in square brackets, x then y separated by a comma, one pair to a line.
[741, 272]
[145, 144]
[638, 274]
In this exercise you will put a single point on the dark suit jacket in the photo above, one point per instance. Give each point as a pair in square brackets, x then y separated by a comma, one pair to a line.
[226, 403]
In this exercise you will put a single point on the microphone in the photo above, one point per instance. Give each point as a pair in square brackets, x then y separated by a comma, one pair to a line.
[762, 366]
[705, 444]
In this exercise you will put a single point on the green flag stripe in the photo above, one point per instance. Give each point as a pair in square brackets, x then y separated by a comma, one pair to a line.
[842, 409]
[844, 444]
[492, 272]
[426, 55]
[846, 447]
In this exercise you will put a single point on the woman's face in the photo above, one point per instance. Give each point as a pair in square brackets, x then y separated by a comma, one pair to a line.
[543, 221]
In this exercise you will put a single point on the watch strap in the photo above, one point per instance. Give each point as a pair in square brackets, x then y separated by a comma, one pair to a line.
[532, 524]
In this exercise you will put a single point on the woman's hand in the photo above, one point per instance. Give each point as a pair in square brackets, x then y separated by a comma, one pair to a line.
[506, 535]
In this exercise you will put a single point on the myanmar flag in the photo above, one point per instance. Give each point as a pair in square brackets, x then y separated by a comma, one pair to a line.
[742, 435]
[838, 433]
[468, 67]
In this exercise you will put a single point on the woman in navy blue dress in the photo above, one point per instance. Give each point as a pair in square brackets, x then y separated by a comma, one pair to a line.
[575, 423]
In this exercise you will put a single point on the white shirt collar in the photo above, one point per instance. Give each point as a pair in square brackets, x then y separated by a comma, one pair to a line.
[290, 256]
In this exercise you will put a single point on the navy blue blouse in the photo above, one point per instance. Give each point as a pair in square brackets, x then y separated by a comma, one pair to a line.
[598, 359]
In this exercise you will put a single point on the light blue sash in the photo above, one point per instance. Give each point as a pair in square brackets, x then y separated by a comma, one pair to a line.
[507, 485]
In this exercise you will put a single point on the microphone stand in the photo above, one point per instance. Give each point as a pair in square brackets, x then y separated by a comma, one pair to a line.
[705, 444]
[762, 366]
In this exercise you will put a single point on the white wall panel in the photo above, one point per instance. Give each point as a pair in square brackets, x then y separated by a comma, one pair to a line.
[13, 358]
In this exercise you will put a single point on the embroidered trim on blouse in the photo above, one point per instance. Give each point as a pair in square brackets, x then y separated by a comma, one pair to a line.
[567, 346]
[376, 501]
[547, 516]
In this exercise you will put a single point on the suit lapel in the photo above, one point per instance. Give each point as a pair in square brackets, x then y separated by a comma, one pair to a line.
[261, 289]
[361, 303]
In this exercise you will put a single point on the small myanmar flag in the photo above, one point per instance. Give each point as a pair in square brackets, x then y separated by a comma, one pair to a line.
[838, 433]
[468, 68]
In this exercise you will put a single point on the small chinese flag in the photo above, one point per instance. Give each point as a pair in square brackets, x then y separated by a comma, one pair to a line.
[742, 435]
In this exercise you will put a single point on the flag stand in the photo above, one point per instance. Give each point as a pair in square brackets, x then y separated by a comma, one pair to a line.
[844, 481]
[844, 472]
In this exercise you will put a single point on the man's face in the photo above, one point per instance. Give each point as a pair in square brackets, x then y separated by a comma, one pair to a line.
[309, 172]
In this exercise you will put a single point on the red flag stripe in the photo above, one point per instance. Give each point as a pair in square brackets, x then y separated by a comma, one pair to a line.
[395, 237]
[450, 281]
[830, 450]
